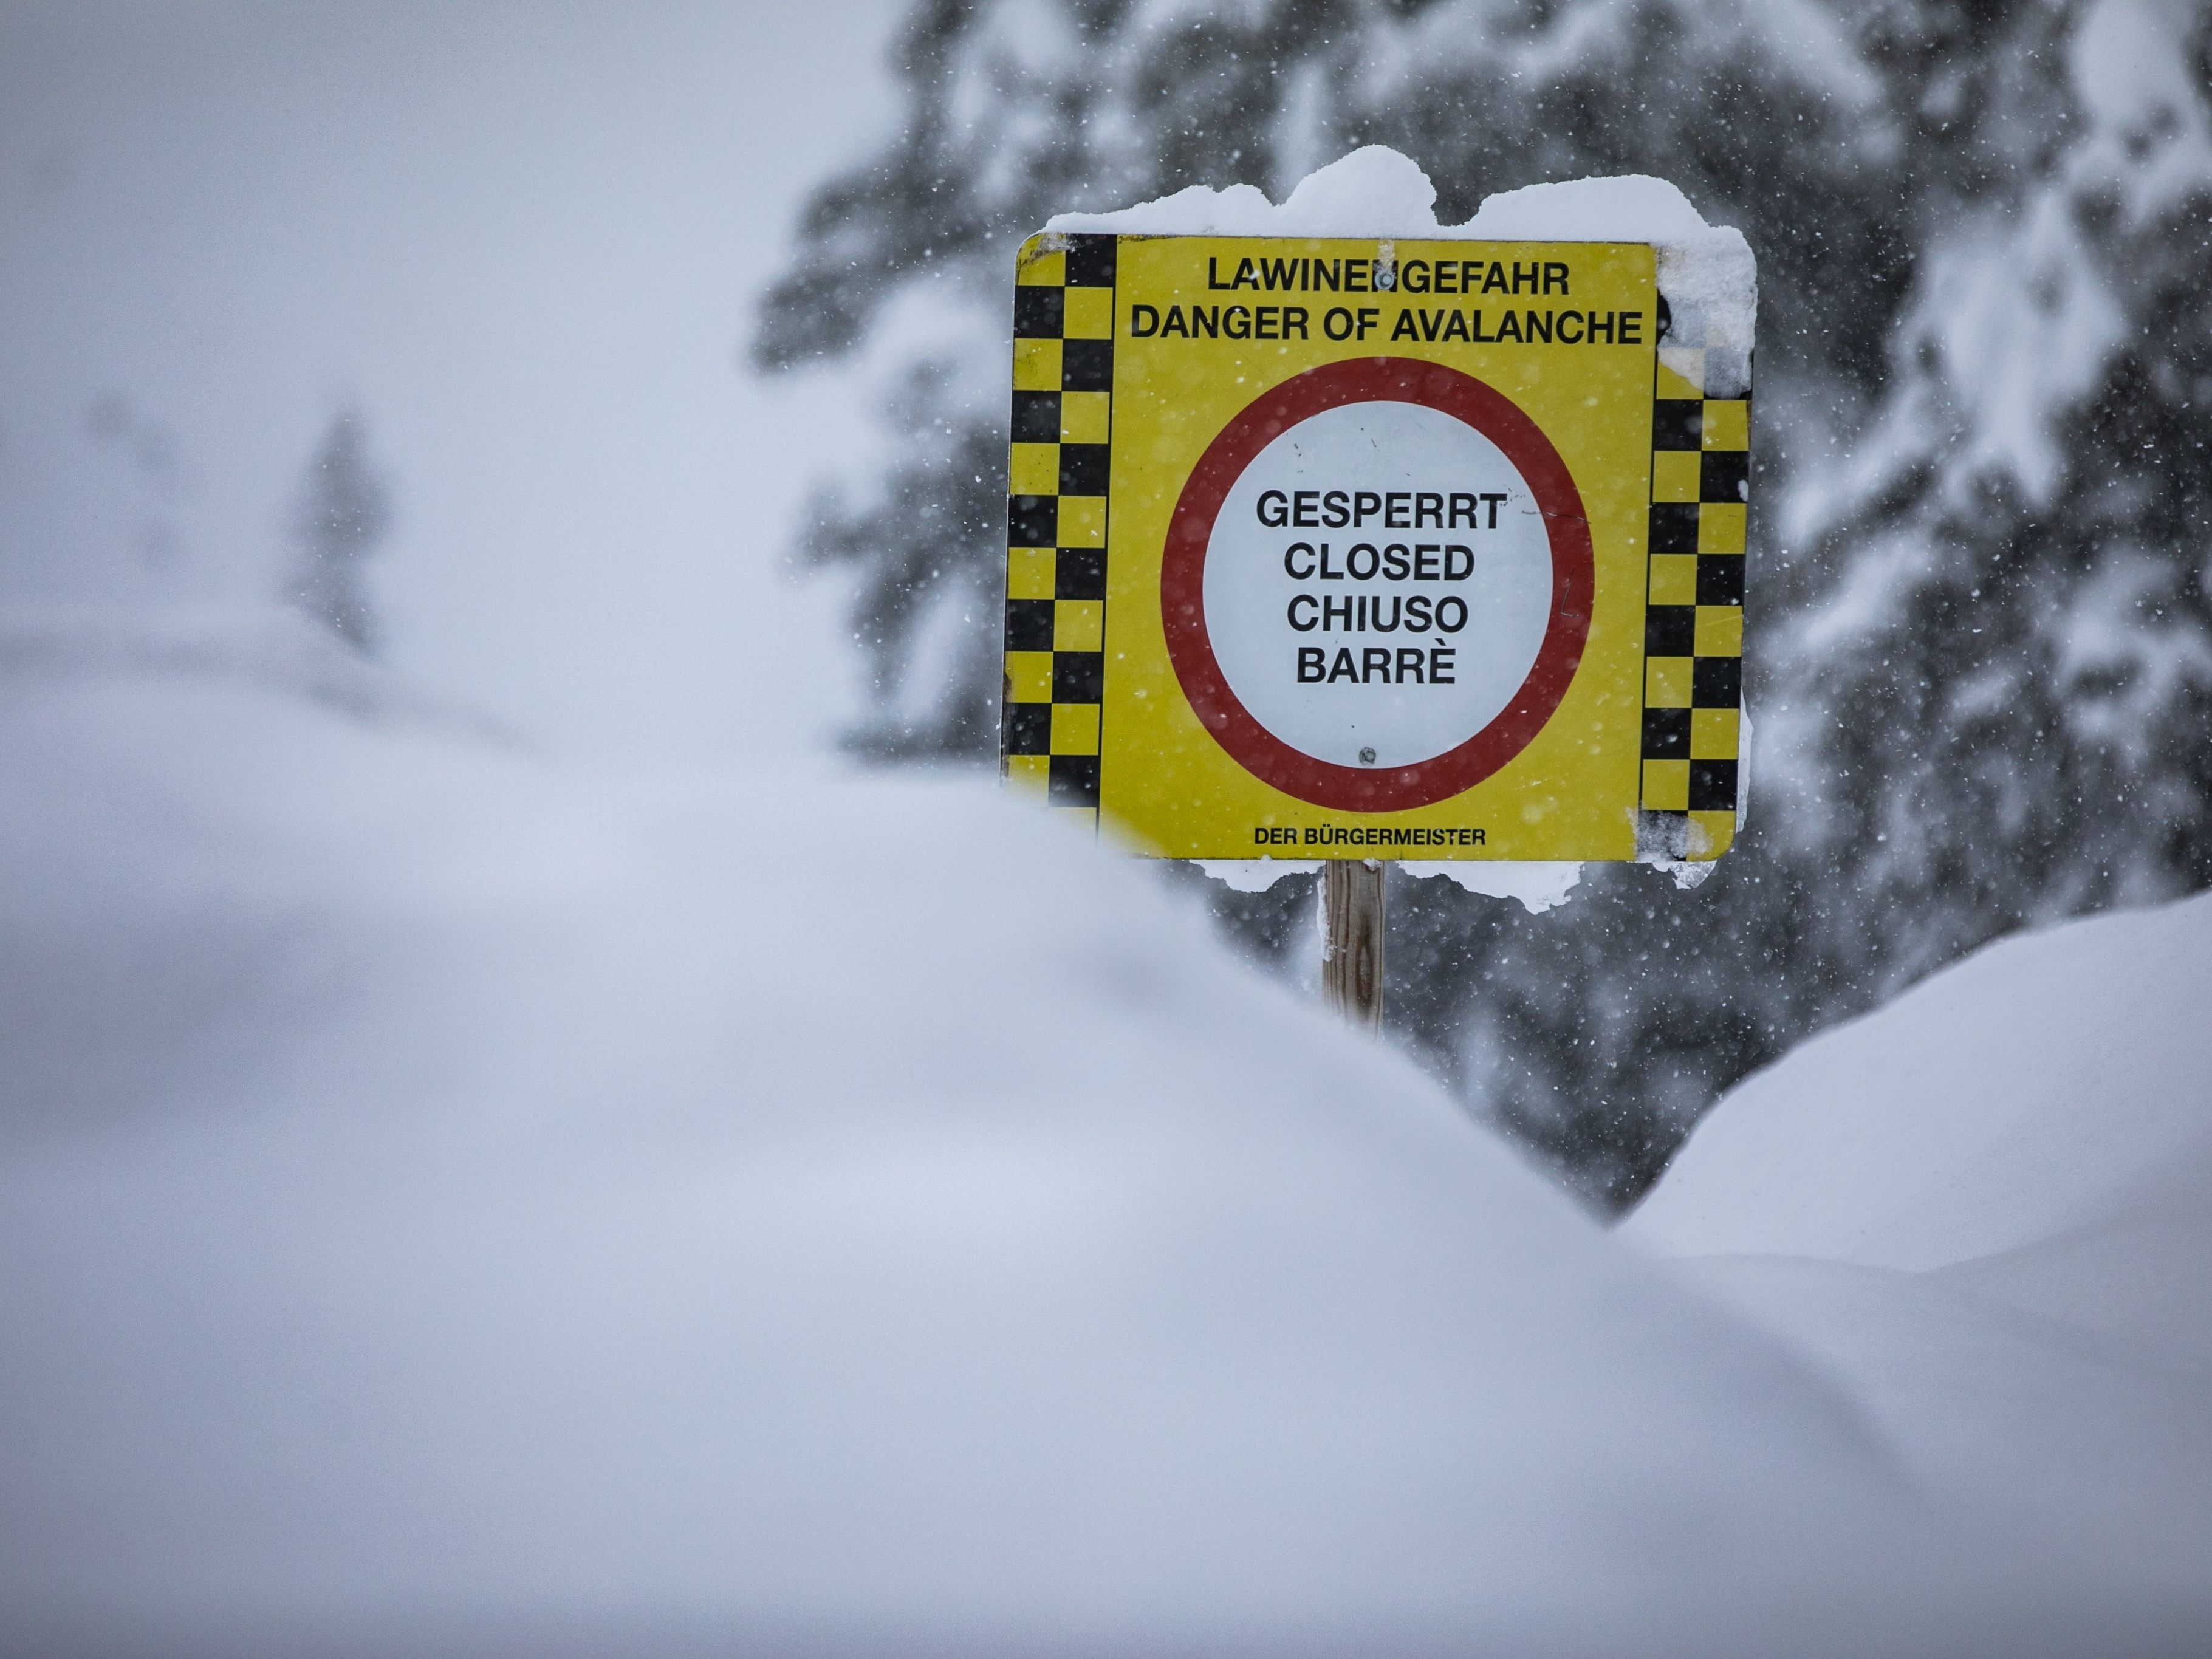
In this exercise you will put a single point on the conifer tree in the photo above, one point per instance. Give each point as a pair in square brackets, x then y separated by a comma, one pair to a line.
[344, 512]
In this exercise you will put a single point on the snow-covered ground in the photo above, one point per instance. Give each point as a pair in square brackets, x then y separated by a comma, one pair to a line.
[1986, 1209]
[452, 1203]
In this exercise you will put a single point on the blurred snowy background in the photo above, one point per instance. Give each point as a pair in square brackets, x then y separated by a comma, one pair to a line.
[519, 244]
[509, 1145]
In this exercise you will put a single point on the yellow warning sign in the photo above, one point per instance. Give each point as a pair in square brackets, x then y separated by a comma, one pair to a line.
[1413, 549]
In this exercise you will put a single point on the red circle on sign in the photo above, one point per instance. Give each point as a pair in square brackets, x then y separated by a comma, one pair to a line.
[1183, 578]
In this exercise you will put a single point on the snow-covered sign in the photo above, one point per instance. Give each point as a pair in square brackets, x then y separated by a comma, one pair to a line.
[1426, 548]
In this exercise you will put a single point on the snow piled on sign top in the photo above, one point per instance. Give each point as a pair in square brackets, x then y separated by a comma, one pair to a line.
[1705, 271]
[444, 1194]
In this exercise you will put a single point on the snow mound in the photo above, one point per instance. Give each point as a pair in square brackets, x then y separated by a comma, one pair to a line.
[2003, 1103]
[276, 648]
[1986, 1209]
[442, 1196]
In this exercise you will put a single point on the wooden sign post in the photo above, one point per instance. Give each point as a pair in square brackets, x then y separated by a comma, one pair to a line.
[1351, 946]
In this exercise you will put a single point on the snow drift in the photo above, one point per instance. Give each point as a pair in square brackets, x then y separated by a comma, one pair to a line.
[1987, 1209]
[2000, 1103]
[452, 1206]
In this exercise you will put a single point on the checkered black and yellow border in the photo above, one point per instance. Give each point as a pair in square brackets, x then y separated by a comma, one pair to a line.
[1693, 605]
[1056, 519]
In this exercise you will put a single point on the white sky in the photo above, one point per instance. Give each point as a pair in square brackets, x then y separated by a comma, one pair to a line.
[526, 240]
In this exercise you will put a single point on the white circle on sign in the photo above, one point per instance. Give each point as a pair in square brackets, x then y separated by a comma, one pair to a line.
[1432, 524]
